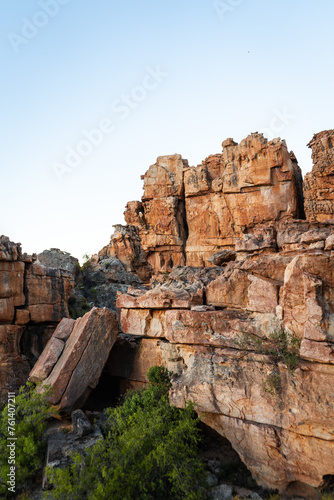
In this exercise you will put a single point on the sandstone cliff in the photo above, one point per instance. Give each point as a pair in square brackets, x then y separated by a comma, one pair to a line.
[33, 299]
[188, 213]
[213, 327]
[240, 307]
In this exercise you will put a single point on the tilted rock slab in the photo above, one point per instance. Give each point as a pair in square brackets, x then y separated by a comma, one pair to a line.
[52, 351]
[81, 360]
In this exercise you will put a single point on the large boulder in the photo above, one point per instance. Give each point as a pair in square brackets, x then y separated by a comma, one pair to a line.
[74, 358]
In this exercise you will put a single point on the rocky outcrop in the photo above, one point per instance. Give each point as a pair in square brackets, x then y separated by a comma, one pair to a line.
[239, 306]
[125, 246]
[57, 259]
[279, 420]
[188, 213]
[319, 184]
[48, 291]
[73, 360]
[99, 281]
[161, 217]
[250, 184]
[253, 343]
[31, 292]
[33, 299]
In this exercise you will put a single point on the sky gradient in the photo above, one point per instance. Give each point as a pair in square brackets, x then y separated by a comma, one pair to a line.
[93, 92]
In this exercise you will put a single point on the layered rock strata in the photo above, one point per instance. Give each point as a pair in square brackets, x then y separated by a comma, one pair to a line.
[33, 299]
[255, 266]
[188, 213]
[213, 327]
[285, 434]
[161, 216]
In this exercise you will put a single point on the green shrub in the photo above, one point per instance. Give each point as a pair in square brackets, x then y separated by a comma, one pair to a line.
[272, 384]
[285, 347]
[149, 452]
[32, 412]
[77, 306]
[282, 346]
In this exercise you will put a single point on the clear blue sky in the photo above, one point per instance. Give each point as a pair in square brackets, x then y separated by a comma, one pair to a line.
[158, 78]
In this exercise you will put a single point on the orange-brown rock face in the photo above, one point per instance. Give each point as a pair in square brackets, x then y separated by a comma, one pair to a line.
[319, 184]
[250, 184]
[279, 420]
[74, 358]
[125, 245]
[187, 214]
[48, 291]
[30, 295]
[161, 215]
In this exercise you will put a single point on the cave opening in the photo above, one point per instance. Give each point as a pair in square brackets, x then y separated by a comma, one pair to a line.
[106, 394]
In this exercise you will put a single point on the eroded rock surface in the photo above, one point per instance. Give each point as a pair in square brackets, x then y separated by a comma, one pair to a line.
[280, 420]
[33, 299]
[319, 184]
[231, 260]
[188, 213]
[74, 358]
[161, 217]
[242, 211]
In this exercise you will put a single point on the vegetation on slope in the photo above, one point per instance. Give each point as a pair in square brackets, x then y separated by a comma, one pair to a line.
[150, 451]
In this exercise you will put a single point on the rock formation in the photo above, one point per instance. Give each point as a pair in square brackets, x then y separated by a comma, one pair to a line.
[110, 271]
[240, 305]
[243, 212]
[160, 217]
[125, 246]
[73, 360]
[33, 299]
[319, 184]
[188, 213]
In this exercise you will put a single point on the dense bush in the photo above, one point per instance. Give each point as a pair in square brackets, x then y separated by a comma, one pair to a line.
[27, 424]
[149, 452]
